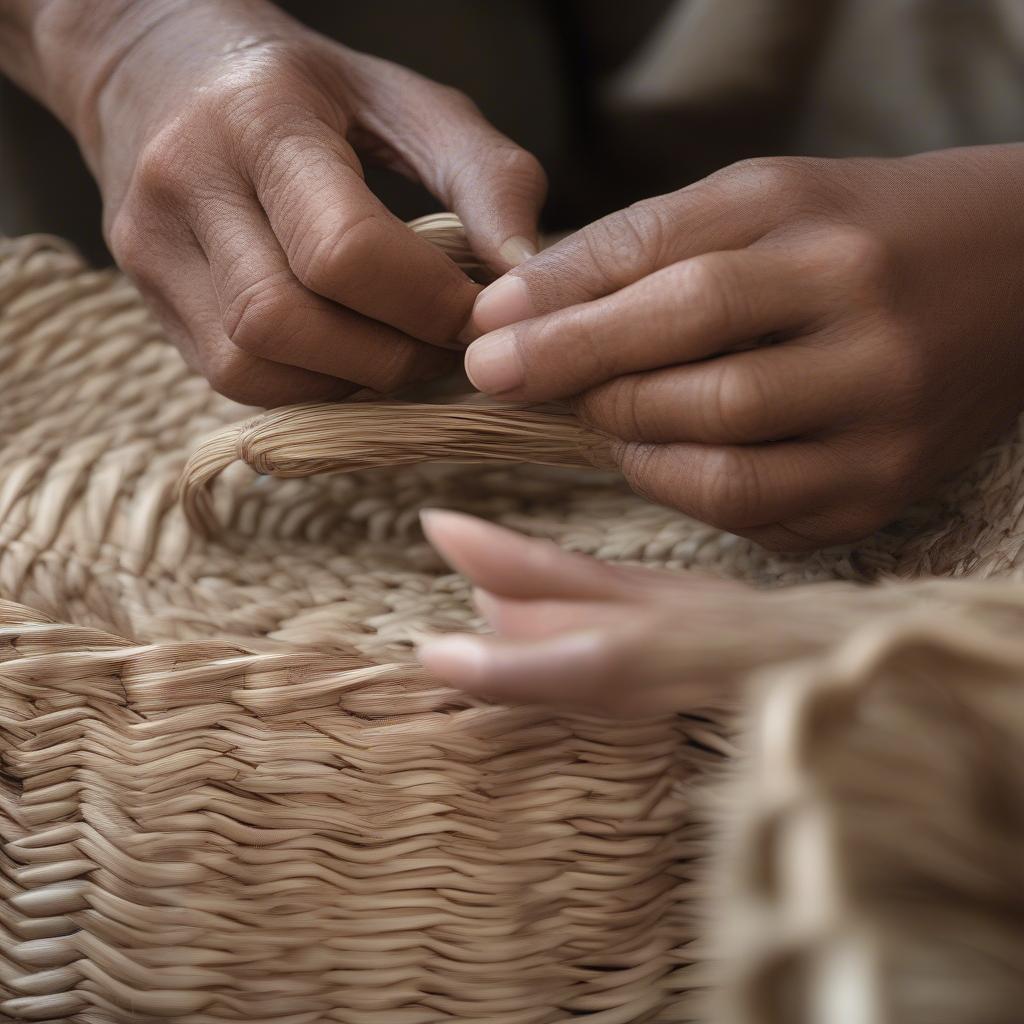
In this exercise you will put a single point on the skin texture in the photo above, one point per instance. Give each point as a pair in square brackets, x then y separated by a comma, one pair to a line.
[577, 633]
[227, 142]
[792, 349]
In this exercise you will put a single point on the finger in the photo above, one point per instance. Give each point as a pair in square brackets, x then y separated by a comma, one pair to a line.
[739, 488]
[184, 299]
[687, 311]
[344, 244]
[631, 668]
[566, 670]
[511, 565]
[768, 394]
[269, 314]
[521, 619]
[729, 210]
[496, 187]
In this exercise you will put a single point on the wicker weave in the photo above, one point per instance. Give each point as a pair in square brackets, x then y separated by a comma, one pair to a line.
[228, 792]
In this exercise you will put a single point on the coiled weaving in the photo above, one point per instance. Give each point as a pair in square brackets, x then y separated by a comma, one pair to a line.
[228, 793]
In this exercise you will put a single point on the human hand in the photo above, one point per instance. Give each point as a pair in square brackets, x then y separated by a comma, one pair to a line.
[578, 633]
[792, 349]
[226, 139]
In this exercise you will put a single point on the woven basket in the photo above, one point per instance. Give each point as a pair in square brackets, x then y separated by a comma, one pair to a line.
[228, 792]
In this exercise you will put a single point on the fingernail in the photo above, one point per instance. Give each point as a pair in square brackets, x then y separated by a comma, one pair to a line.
[516, 250]
[492, 364]
[505, 302]
[437, 517]
[460, 658]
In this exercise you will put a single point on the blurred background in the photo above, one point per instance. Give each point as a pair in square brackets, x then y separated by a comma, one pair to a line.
[624, 100]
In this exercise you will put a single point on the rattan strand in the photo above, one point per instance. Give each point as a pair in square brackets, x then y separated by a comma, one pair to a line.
[228, 794]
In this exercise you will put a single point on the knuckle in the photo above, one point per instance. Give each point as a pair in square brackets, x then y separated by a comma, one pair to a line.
[248, 380]
[861, 257]
[323, 251]
[735, 404]
[622, 243]
[161, 166]
[519, 169]
[707, 286]
[731, 489]
[253, 316]
[235, 375]
[613, 407]
[777, 178]
[452, 97]
[639, 465]
[129, 242]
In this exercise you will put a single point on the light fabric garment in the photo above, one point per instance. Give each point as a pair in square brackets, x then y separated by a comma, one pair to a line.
[881, 77]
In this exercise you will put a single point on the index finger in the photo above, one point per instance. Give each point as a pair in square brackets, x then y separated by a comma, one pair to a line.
[344, 244]
[729, 210]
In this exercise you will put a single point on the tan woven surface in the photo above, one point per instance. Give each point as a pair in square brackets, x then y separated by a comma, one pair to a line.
[229, 795]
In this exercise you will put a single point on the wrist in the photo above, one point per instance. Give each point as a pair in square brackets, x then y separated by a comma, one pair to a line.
[79, 48]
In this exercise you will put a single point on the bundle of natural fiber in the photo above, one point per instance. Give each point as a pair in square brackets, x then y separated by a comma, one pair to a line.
[303, 440]
[228, 793]
[873, 847]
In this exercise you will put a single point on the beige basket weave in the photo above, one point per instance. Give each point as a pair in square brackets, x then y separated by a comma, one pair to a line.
[228, 793]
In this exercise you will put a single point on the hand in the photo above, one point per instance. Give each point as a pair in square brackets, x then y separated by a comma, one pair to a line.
[578, 633]
[224, 137]
[791, 349]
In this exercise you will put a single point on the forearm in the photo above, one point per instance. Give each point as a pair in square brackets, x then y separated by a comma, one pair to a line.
[63, 52]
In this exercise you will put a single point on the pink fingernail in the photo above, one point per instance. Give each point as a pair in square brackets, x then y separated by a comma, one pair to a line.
[505, 302]
[460, 658]
[516, 250]
[493, 365]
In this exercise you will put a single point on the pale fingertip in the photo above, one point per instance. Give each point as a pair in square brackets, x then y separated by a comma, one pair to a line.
[493, 365]
[445, 530]
[506, 301]
[461, 659]
[437, 520]
[516, 250]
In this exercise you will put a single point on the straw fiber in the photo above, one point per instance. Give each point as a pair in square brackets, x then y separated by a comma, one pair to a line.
[229, 793]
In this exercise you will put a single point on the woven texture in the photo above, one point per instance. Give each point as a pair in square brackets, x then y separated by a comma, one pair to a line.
[229, 794]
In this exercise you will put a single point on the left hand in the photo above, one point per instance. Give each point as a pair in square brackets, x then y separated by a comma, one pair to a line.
[578, 633]
[792, 349]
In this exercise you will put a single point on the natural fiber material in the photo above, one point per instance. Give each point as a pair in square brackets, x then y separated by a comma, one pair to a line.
[229, 794]
[304, 440]
[874, 844]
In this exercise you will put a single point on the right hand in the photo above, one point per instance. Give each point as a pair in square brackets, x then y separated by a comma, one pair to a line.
[225, 140]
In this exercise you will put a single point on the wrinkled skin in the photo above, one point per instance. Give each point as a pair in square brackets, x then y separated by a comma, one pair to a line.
[791, 349]
[226, 139]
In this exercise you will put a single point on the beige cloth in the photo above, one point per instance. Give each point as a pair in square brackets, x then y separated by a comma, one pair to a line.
[824, 78]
